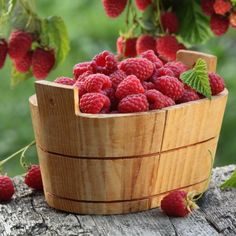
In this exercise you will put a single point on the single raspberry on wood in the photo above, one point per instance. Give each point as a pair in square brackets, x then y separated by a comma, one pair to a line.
[33, 178]
[130, 85]
[170, 22]
[140, 67]
[64, 80]
[189, 95]
[178, 203]
[3, 52]
[221, 7]
[157, 100]
[219, 24]
[116, 77]
[133, 103]
[114, 8]
[169, 86]
[6, 188]
[145, 42]
[216, 82]
[94, 103]
[105, 63]
[177, 67]
[143, 4]
[42, 62]
[126, 47]
[81, 68]
[23, 65]
[151, 56]
[19, 44]
[207, 7]
[97, 83]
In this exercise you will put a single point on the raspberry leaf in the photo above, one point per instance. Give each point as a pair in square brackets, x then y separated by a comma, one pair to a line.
[197, 78]
[231, 182]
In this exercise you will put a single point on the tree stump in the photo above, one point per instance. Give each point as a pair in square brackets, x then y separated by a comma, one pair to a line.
[28, 214]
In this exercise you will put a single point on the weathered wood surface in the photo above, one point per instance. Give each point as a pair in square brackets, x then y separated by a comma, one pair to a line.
[28, 214]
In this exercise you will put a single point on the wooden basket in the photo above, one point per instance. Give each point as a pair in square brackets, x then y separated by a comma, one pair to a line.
[120, 163]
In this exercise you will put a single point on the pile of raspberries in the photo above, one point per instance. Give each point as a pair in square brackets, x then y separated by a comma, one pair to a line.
[136, 84]
[24, 57]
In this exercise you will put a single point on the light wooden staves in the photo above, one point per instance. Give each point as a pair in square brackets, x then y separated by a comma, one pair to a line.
[120, 163]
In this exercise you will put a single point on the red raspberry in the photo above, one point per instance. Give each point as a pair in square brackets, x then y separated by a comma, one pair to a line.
[23, 65]
[130, 85]
[133, 103]
[217, 83]
[148, 85]
[232, 19]
[167, 46]
[157, 100]
[162, 72]
[170, 22]
[84, 76]
[114, 8]
[19, 44]
[81, 68]
[116, 77]
[3, 52]
[207, 7]
[64, 80]
[140, 67]
[189, 95]
[110, 93]
[105, 63]
[221, 7]
[81, 88]
[97, 82]
[177, 67]
[33, 178]
[94, 103]
[6, 189]
[170, 86]
[42, 63]
[142, 4]
[126, 47]
[177, 203]
[145, 42]
[151, 56]
[219, 24]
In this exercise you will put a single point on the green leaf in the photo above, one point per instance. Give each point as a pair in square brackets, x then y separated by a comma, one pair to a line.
[54, 35]
[17, 77]
[231, 182]
[197, 78]
[233, 2]
[194, 24]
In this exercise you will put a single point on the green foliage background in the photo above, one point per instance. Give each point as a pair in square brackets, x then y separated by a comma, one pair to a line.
[90, 32]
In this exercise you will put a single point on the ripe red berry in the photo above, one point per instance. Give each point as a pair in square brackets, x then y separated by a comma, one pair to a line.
[148, 85]
[189, 95]
[126, 47]
[94, 103]
[81, 68]
[232, 19]
[142, 4]
[23, 65]
[33, 178]
[42, 63]
[3, 52]
[162, 72]
[116, 77]
[19, 44]
[105, 63]
[207, 7]
[130, 85]
[114, 8]
[6, 189]
[151, 56]
[221, 7]
[157, 100]
[178, 203]
[219, 24]
[217, 83]
[145, 42]
[81, 87]
[133, 103]
[170, 22]
[140, 67]
[95, 83]
[177, 67]
[64, 80]
[169, 86]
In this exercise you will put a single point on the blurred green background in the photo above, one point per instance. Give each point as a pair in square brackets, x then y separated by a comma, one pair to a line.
[90, 32]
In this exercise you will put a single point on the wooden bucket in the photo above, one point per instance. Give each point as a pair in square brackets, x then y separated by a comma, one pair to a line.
[121, 163]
